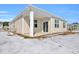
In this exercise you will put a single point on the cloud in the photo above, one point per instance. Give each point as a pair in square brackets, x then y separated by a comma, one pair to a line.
[72, 20]
[2, 20]
[5, 16]
[3, 12]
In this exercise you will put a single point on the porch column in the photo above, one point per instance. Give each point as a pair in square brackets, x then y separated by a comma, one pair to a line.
[31, 23]
[51, 19]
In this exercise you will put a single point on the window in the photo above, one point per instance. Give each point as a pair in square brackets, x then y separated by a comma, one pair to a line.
[45, 26]
[35, 23]
[56, 23]
[64, 25]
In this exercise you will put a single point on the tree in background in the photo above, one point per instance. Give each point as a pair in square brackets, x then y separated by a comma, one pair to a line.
[6, 25]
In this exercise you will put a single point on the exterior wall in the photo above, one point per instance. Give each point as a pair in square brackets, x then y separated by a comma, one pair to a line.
[26, 26]
[51, 27]
[18, 25]
[15, 26]
[39, 26]
[12, 28]
[39, 30]
[60, 29]
[21, 26]
[46, 20]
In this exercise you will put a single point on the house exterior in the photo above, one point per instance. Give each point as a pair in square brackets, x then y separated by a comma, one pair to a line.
[34, 21]
[74, 26]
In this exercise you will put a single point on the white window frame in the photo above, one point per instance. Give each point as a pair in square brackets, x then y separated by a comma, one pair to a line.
[56, 23]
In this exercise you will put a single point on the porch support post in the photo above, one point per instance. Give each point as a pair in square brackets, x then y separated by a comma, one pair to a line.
[51, 19]
[31, 23]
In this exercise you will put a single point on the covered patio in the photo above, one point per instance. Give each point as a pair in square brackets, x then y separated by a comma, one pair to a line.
[39, 21]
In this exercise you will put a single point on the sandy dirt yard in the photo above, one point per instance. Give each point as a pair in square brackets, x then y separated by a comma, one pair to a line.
[62, 44]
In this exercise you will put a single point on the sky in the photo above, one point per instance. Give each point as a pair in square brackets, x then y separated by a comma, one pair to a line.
[70, 12]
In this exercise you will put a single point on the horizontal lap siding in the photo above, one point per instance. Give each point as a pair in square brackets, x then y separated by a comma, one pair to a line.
[39, 30]
[21, 26]
[25, 26]
[18, 25]
[60, 29]
[39, 26]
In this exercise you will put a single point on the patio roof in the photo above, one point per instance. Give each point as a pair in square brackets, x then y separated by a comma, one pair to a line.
[37, 12]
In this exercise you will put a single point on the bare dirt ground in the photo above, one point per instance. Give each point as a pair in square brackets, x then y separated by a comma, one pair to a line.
[62, 44]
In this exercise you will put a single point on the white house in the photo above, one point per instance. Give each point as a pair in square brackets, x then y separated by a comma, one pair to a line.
[34, 21]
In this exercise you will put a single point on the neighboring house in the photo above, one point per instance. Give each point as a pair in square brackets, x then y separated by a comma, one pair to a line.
[34, 21]
[74, 26]
[1, 25]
